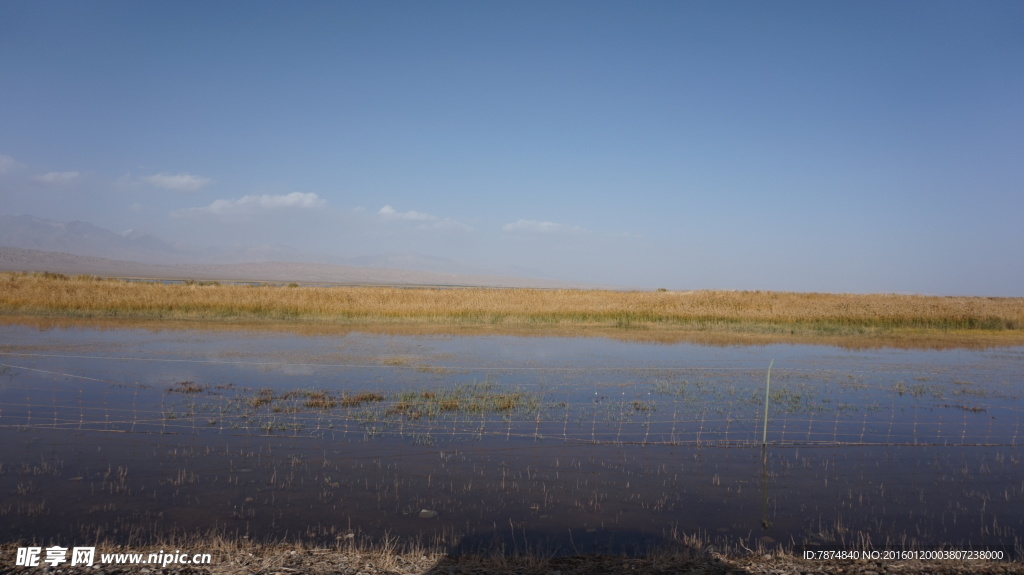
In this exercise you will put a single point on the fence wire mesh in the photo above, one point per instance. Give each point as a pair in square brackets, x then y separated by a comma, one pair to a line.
[699, 405]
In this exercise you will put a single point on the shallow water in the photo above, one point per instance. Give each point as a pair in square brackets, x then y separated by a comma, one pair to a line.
[553, 444]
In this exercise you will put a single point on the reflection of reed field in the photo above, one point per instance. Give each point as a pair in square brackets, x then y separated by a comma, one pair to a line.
[520, 442]
[771, 312]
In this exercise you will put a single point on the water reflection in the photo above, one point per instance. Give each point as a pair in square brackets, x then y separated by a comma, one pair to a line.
[558, 444]
[891, 339]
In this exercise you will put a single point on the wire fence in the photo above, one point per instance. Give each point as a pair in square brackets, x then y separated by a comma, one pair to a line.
[717, 405]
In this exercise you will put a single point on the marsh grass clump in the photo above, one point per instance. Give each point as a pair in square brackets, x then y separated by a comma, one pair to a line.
[319, 400]
[681, 388]
[476, 398]
[360, 399]
[186, 387]
[408, 409]
[642, 406]
[967, 408]
[376, 411]
[790, 400]
[262, 397]
[481, 398]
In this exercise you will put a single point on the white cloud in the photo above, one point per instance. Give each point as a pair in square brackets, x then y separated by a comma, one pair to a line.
[447, 224]
[8, 164]
[427, 221]
[178, 182]
[389, 213]
[57, 177]
[247, 204]
[537, 226]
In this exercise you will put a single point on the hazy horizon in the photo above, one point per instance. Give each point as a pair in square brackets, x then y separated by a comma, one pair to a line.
[798, 146]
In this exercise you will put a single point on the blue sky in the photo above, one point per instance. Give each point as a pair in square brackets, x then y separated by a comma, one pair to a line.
[805, 146]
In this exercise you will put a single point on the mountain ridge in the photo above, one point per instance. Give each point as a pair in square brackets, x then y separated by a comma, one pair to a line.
[29, 260]
[29, 243]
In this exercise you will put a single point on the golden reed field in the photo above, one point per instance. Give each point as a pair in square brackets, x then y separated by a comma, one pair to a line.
[55, 295]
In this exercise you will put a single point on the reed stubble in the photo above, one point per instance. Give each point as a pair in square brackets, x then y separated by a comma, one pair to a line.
[54, 295]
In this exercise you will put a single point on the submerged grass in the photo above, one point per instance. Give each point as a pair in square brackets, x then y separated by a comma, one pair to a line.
[755, 312]
[475, 398]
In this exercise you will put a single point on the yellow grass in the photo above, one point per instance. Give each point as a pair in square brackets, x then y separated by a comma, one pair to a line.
[53, 295]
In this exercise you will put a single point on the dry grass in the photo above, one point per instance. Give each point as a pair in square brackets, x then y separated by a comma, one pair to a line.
[231, 555]
[723, 311]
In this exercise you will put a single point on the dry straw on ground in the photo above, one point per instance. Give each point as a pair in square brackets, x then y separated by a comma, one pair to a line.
[55, 295]
[241, 558]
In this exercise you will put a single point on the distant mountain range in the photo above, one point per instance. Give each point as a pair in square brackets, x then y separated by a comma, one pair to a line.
[86, 239]
[83, 238]
[28, 243]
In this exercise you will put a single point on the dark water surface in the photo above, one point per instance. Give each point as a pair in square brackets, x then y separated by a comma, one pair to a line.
[539, 443]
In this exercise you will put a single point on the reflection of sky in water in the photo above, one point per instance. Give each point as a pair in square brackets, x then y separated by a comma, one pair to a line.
[573, 462]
